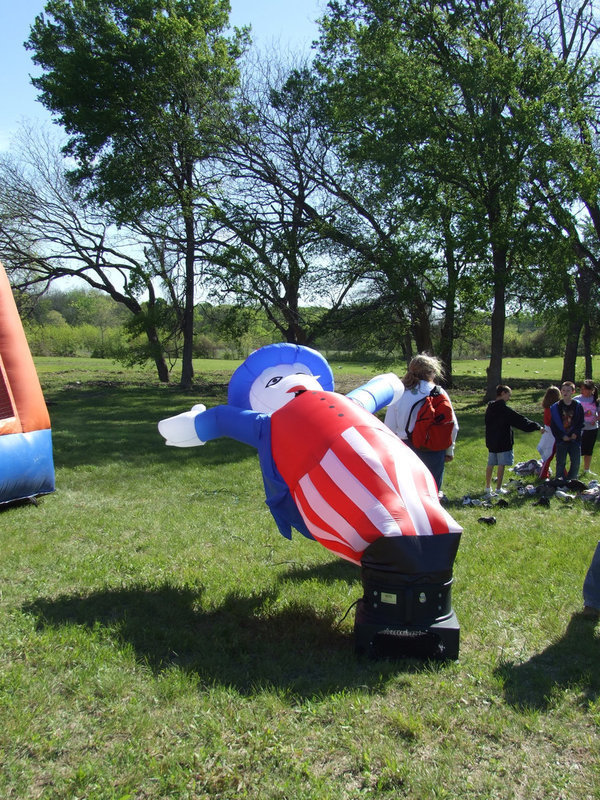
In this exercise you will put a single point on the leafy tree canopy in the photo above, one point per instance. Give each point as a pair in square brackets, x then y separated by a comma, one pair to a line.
[140, 86]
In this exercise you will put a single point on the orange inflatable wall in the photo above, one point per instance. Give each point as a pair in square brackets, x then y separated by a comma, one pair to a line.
[22, 404]
[26, 461]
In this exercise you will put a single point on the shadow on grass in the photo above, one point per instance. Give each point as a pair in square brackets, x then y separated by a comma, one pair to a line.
[338, 570]
[247, 643]
[108, 424]
[571, 663]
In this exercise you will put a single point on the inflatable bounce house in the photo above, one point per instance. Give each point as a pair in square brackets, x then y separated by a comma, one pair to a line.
[334, 472]
[26, 463]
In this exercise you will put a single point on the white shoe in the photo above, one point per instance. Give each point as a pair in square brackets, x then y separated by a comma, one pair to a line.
[489, 493]
[564, 495]
[501, 490]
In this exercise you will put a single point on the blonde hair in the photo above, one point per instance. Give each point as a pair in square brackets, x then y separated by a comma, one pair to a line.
[422, 368]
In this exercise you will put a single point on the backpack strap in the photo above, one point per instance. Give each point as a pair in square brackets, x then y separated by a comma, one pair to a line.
[419, 402]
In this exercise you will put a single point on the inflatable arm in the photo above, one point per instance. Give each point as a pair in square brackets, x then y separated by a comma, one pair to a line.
[198, 426]
[235, 423]
[379, 392]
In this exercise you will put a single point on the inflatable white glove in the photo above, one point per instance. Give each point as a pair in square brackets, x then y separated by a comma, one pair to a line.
[180, 431]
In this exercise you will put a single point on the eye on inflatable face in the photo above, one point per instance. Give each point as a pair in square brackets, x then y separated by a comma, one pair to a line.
[265, 381]
[277, 385]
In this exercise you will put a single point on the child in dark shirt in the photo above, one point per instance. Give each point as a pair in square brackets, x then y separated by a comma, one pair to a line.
[500, 419]
[566, 422]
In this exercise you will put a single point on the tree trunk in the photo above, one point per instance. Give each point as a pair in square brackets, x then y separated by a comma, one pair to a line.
[494, 369]
[584, 281]
[570, 355]
[159, 360]
[446, 345]
[187, 326]
[573, 332]
[154, 339]
[587, 350]
[421, 327]
[295, 334]
[447, 329]
[162, 369]
[406, 347]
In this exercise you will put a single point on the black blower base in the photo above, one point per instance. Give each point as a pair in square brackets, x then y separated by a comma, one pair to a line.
[406, 608]
[394, 640]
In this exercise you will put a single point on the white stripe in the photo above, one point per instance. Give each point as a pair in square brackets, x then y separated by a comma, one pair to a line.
[453, 526]
[431, 497]
[317, 503]
[416, 510]
[408, 489]
[358, 493]
[410, 493]
[320, 535]
[369, 454]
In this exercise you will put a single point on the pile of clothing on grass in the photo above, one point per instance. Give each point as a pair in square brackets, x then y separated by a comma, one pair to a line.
[531, 467]
[566, 490]
[563, 488]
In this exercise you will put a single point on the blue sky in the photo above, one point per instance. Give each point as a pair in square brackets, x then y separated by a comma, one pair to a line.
[289, 22]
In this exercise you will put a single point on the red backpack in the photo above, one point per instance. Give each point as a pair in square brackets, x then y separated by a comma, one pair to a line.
[434, 423]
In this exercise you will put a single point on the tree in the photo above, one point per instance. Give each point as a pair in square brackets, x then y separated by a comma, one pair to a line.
[143, 89]
[270, 251]
[310, 224]
[458, 92]
[570, 190]
[47, 233]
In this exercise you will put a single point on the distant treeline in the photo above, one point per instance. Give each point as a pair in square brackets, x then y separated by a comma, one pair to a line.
[87, 323]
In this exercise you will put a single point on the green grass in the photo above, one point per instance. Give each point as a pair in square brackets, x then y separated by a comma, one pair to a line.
[526, 371]
[159, 639]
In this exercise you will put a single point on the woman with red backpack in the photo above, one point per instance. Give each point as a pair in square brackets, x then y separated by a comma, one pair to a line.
[424, 417]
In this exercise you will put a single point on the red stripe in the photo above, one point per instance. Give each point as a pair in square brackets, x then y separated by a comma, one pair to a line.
[391, 499]
[344, 505]
[350, 511]
[313, 520]
[357, 466]
[368, 532]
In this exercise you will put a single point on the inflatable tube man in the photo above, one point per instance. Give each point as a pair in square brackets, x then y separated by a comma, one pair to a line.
[334, 472]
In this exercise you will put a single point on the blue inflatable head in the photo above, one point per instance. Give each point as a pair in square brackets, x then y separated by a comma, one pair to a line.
[292, 357]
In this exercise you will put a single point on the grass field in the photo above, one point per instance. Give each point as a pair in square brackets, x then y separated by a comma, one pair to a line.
[160, 639]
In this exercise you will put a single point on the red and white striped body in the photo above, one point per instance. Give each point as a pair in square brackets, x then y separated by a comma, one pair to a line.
[352, 479]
